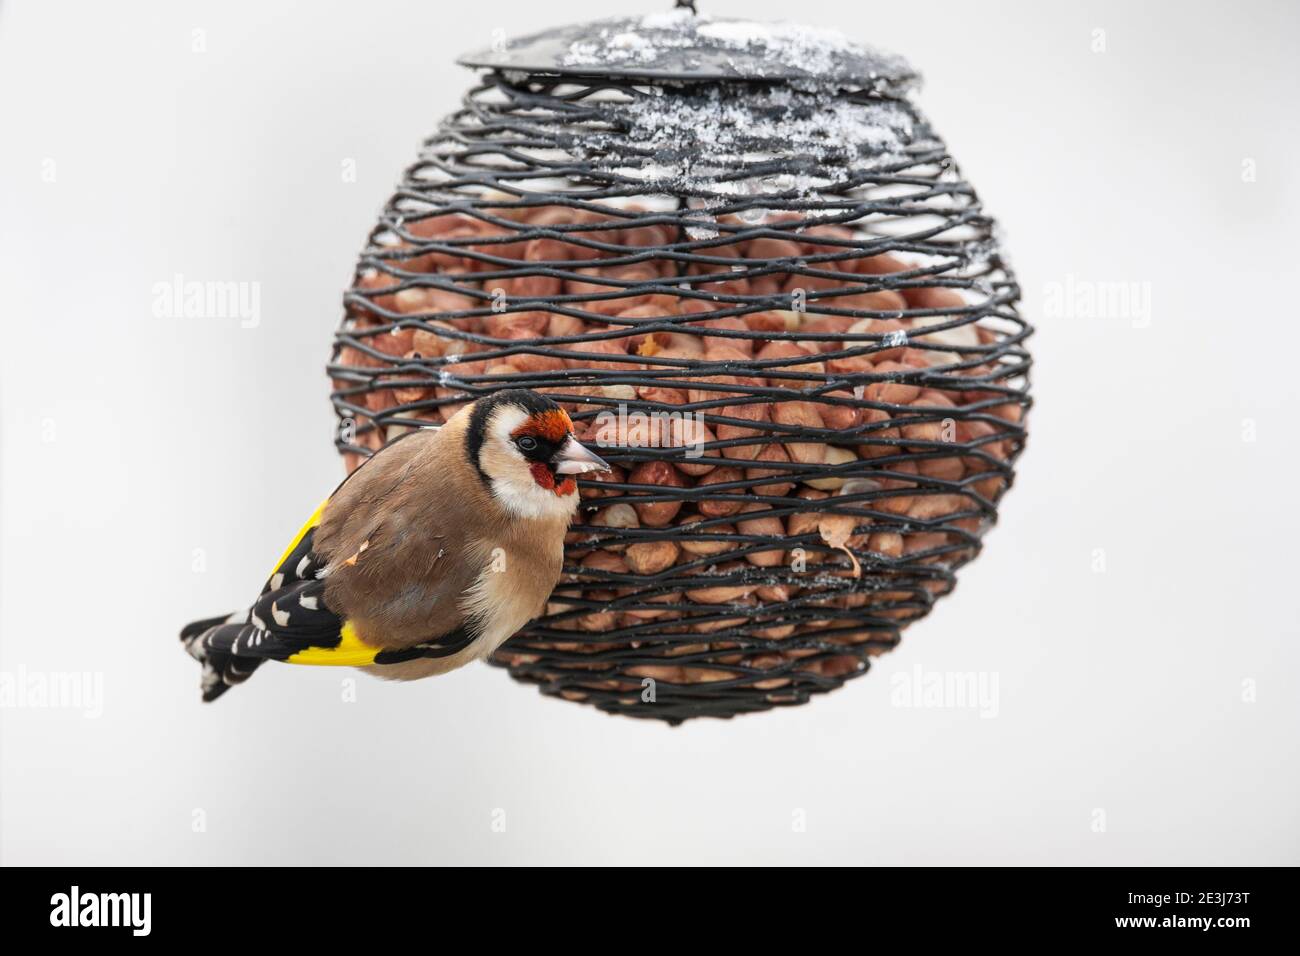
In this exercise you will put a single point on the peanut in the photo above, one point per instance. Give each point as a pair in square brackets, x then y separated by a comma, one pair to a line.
[886, 543]
[701, 547]
[656, 514]
[925, 507]
[783, 350]
[879, 265]
[651, 557]
[615, 517]
[720, 593]
[934, 297]
[691, 434]
[835, 455]
[775, 321]
[749, 450]
[762, 523]
[615, 474]
[720, 507]
[801, 415]
[560, 325]
[774, 452]
[840, 417]
[601, 347]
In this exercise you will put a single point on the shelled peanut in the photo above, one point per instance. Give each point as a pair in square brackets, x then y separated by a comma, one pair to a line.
[888, 422]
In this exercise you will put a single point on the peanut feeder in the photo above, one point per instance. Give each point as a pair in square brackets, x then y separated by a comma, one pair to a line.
[742, 259]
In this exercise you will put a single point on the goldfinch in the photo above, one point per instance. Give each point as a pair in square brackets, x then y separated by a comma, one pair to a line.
[428, 556]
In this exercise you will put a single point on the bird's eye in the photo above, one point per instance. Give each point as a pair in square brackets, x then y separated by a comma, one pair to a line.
[527, 444]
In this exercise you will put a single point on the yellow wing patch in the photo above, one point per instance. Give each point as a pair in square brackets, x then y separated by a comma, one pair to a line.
[350, 652]
[312, 522]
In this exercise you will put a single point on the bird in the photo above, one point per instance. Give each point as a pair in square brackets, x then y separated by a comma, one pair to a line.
[429, 556]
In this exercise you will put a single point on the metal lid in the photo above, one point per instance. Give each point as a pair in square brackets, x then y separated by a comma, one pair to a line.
[682, 46]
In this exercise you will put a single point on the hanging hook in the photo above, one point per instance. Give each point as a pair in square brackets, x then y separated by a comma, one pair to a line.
[686, 5]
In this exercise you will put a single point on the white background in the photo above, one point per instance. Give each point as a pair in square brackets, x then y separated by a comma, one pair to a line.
[130, 441]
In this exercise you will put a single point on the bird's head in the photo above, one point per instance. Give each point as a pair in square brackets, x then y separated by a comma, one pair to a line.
[523, 446]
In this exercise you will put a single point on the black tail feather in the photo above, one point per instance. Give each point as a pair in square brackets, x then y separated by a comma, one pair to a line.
[198, 627]
[211, 642]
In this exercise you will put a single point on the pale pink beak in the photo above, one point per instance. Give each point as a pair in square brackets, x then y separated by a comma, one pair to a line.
[574, 458]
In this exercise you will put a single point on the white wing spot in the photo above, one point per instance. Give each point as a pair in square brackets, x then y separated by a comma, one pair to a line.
[302, 565]
[308, 601]
[277, 581]
[281, 617]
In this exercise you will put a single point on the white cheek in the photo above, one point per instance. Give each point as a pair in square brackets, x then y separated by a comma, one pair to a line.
[525, 498]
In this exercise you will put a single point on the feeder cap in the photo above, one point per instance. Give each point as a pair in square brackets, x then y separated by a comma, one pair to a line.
[685, 47]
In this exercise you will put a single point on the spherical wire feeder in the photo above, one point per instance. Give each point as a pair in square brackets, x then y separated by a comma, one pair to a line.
[741, 258]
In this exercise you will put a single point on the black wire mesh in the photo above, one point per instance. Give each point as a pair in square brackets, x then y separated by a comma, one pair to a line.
[780, 312]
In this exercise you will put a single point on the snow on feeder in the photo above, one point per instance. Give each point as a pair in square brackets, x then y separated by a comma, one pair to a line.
[740, 257]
